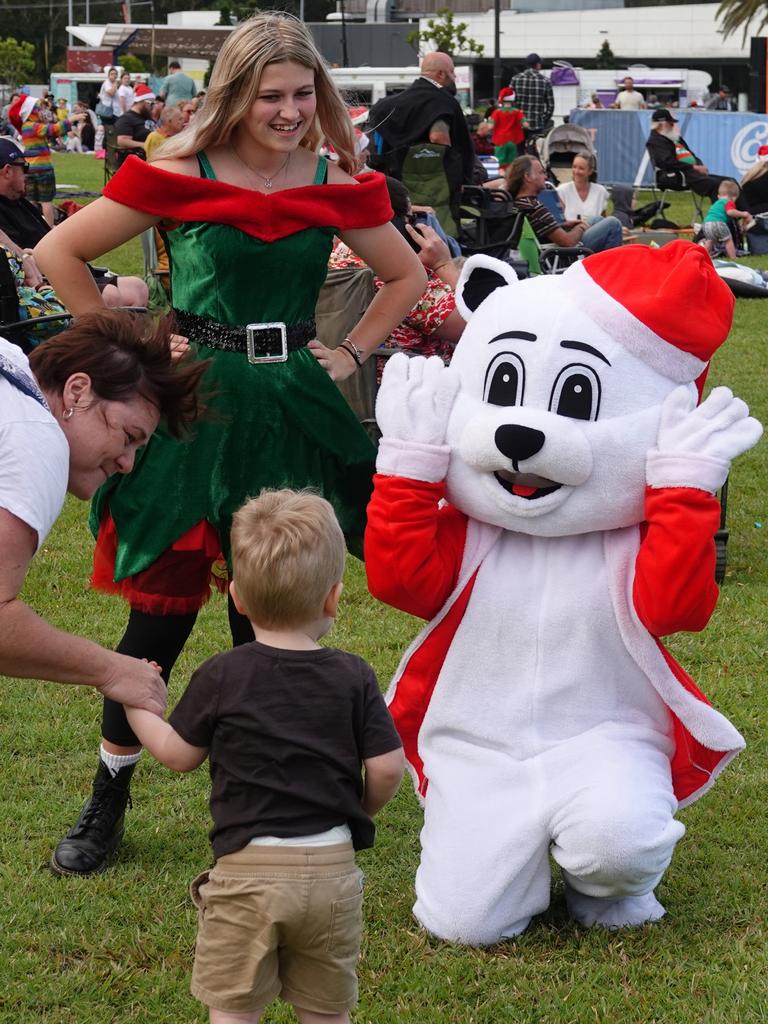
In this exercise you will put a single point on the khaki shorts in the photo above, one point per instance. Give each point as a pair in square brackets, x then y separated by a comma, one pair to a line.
[279, 921]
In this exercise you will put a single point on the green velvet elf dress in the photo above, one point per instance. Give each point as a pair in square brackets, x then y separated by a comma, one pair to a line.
[239, 257]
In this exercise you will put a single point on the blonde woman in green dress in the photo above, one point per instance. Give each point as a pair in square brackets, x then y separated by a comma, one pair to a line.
[248, 211]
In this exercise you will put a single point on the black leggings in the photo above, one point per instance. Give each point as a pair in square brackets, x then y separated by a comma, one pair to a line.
[159, 638]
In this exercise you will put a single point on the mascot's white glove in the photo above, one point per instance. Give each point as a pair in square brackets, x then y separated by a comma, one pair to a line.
[412, 410]
[696, 444]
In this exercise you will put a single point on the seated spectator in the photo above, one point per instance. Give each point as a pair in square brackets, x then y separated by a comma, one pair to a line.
[434, 325]
[131, 128]
[582, 198]
[594, 103]
[88, 126]
[23, 227]
[669, 152]
[525, 180]
[35, 300]
[171, 122]
[188, 109]
[481, 138]
[754, 199]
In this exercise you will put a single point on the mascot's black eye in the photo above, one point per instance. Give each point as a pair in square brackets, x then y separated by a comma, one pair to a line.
[576, 393]
[505, 380]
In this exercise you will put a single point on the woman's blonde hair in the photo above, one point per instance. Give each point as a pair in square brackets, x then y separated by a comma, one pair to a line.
[267, 38]
[755, 171]
[288, 551]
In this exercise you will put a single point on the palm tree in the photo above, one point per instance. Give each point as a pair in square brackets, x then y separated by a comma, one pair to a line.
[737, 14]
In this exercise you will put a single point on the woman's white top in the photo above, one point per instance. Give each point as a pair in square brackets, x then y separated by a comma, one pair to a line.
[34, 453]
[107, 100]
[575, 206]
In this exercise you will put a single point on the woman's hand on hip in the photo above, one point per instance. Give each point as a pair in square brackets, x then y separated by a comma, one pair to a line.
[337, 363]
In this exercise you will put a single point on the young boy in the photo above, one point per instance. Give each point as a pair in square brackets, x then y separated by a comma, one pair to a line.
[716, 230]
[286, 725]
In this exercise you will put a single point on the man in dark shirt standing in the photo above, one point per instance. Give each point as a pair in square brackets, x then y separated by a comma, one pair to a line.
[131, 127]
[427, 111]
[534, 96]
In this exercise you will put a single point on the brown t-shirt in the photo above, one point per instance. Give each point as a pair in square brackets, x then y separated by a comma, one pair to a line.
[287, 732]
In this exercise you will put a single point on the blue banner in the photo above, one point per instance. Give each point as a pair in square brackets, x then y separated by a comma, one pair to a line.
[726, 143]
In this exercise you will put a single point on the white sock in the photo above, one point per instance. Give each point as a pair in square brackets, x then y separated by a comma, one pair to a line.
[117, 761]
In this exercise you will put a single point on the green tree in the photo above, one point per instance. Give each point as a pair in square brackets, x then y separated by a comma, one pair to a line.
[738, 14]
[130, 62]
[448, 35]
[17, 61]
[605, 58]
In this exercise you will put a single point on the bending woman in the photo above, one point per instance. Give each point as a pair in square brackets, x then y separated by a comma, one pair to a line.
[71, 414]
[248, 211]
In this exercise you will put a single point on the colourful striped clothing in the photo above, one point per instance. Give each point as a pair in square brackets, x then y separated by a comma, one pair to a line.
[35, 137]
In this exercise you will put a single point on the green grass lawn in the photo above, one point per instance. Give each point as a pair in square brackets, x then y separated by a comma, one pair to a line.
[119, 947]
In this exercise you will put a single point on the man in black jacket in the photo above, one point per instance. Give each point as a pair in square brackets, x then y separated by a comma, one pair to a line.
[668, 152]
[427, 111]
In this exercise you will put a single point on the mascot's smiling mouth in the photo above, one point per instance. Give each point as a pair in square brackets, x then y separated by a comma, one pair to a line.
[526, 485]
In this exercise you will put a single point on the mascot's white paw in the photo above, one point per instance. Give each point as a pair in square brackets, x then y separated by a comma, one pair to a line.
[415, 399]
[613, 912]
[696, 444]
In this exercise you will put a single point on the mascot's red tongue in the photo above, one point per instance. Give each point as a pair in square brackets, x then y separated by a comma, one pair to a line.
[522, 491]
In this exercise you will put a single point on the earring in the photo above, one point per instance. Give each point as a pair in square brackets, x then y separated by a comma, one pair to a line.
[68, 413]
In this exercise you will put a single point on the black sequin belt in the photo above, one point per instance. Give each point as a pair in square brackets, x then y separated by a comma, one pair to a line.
[262, 343]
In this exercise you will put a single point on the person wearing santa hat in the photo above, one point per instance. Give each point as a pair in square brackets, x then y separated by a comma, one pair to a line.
[131, 127]
[37, 133]
[548, 503]
[754, 199]
[508, 128]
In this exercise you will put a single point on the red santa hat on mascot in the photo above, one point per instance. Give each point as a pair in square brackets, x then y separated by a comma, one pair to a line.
[20, 110]
[646, 299]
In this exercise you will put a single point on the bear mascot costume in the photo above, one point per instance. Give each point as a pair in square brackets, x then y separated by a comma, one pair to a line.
[547, 503]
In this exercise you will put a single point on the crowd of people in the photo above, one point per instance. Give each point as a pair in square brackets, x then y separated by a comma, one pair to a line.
[252, 216]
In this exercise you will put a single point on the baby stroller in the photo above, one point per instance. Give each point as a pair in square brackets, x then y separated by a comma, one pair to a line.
[558, 148]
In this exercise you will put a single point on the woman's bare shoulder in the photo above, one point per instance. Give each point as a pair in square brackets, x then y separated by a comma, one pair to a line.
[187, 165]
[338, 177]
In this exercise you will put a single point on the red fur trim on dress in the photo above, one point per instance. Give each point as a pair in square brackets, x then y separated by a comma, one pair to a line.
[177, 583]
[179, 197]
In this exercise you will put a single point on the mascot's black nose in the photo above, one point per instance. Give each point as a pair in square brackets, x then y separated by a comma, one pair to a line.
[518, 443]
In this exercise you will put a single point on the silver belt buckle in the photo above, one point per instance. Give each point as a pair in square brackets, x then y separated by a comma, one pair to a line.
[274, 334]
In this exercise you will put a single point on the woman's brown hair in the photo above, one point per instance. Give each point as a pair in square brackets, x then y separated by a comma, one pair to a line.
[125, 354]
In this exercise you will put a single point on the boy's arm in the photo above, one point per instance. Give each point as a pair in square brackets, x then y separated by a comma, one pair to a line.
[163, 742]
[383, 775]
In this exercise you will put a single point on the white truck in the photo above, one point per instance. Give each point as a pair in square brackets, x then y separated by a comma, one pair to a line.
[663, 87]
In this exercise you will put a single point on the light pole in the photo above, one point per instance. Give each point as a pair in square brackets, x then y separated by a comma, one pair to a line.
[496, 47]
[344, 54]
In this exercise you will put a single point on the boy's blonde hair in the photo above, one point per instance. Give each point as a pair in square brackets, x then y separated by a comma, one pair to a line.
[729, 188]
[267, 38]
[287, 553]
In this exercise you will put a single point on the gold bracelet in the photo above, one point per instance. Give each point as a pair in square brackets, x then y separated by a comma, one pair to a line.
[441, 265]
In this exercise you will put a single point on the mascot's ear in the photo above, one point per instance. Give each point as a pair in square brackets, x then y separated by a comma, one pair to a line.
[480, 276]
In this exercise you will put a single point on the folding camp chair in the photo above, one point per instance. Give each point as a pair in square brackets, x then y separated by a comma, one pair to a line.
[111, 152]
[12, 327]
[343, 299]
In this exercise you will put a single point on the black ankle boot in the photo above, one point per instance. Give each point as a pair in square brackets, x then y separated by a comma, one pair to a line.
[98, 832]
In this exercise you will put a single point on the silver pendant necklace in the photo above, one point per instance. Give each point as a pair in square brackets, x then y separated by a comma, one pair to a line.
[268, 181]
